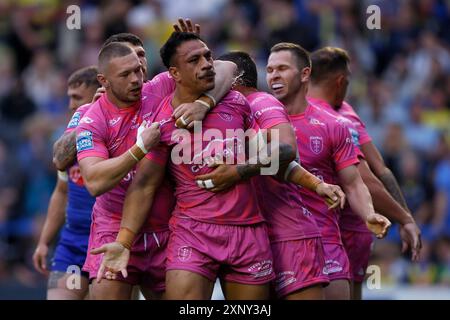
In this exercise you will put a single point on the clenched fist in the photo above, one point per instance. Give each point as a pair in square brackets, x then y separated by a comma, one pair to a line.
[148, 137]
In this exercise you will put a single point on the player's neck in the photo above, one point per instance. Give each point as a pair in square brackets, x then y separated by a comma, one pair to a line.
[246, 91]
[321, 93]
[182, 95]
[297, 103]
[116, 102]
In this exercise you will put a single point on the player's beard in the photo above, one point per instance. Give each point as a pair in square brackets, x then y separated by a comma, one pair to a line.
[293, 88]
[123, 96]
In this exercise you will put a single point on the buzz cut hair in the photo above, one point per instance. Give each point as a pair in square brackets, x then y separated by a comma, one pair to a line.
[123, 38]
[112, 50]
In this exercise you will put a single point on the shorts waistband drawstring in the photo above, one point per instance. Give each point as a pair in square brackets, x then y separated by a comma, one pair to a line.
[156, 239]
[145, 242]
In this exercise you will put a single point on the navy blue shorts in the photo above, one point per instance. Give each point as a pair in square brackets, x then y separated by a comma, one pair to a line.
[70, 251]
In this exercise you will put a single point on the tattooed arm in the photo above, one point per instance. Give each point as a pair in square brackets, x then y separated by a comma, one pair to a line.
[392, 186]
[282, 153]
[388, 206]
[377, 165]
[65, 151]
[286, 154]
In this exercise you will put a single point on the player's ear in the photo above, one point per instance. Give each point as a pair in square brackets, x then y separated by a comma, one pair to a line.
[340, 80]
[305, 74]
[175, 73]
[102, 80]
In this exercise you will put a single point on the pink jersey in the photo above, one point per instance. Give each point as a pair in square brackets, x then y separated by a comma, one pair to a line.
[74, 170]
[107, 132]
[235, 206]
[325, 106]
[76, 117]
[280, 202]
[346, 110]
[325, 147]
[348, 219]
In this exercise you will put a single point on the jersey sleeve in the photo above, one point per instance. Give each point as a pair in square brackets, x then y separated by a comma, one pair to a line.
[161, 85]
[268, 111]
[343, 150]
[91, 137]
[364, 136]
[76, 117]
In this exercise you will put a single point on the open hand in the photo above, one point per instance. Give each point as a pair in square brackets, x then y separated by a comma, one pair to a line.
[115, 259]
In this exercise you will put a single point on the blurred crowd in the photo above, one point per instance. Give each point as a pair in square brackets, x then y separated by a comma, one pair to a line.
[400, 87]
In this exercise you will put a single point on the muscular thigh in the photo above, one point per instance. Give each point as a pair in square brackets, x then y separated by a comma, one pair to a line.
[239, 291]
[66, 286]
[187, 285]
[110, 290]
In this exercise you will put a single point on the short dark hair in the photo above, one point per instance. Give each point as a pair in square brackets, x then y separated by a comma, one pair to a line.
[246, 67]
[87, 76]
[169, 49]
[112, 50]
[124, 37]
[326, 61]
[300, 53]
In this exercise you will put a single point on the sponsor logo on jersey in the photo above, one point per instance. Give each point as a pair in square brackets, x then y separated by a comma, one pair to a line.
[85, 141]
[113, 122]
[147, 115]
[314, 121]
[355, 136]
[225, 116]
[260, 112]
[74, 121]
[86, 119]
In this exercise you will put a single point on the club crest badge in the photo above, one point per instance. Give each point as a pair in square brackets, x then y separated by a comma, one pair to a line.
[316, 144]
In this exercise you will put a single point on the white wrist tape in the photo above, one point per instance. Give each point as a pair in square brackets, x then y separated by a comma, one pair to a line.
[203, 103]
[139, 141]
[62, 175]
[132, 155]
[212, 99]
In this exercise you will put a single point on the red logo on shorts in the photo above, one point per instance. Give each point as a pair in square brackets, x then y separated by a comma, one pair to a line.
[184, 253]
[75, 175]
